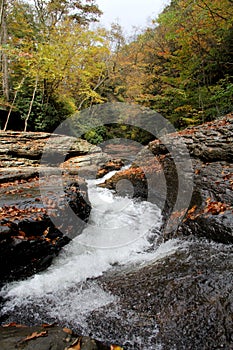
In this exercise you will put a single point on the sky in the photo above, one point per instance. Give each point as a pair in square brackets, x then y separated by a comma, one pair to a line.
[129, 13]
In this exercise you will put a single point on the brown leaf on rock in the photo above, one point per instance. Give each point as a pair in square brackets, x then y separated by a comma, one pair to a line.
[14, 324]
[45, 233]
[67, 330]
[215, 208]
[22, 233]
[191, 213]
[48, 325]
[34, 335]
[76, 344]
[227, 176]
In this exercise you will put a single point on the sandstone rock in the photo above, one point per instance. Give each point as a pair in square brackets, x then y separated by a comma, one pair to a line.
[26, 148]
[208, 142]
[114, 164]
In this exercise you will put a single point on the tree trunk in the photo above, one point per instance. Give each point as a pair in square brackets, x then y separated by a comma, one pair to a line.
[31, 104]
[4, 58]
[12, 105]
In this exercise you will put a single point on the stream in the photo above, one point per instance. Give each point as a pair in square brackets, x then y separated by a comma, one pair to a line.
[95, 285]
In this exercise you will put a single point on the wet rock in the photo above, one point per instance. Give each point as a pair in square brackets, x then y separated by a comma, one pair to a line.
[183, 301]
[209, 212]
[4, 231]
[88, 344]
[136, 177]
[211, 208]
[111, 165]
[29, 236]
[218, 228]
[20, 258]
[44, 338]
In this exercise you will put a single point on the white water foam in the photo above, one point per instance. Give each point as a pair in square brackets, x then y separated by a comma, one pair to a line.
[120, 232]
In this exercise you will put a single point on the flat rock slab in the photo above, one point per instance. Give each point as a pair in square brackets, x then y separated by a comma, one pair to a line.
[17, 173]
[27, 148]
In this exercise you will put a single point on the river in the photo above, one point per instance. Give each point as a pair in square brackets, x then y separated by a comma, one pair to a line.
[123, 234]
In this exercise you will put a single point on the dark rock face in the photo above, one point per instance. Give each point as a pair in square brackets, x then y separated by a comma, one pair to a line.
[22, 258]
[29, 240]
[181, 302]
[211, 213]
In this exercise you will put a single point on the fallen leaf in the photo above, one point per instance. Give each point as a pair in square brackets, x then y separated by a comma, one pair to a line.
[13, 324]
[19, 237]
[76, 345]
[48, 325]
[34, 335]
[67, 330]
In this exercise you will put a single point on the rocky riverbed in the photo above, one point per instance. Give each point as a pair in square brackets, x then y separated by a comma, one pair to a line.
[179, 295]
[29, 240]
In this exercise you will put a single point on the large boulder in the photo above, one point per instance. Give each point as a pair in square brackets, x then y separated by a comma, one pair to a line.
[29, 236]
[208, 142]
[209, 211]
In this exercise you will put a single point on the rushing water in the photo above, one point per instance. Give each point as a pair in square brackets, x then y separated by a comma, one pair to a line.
[121, 232]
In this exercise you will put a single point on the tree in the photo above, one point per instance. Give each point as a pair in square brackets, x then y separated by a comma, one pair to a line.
[51, 53]
[52, 12]
[182, 63]
[3, 44]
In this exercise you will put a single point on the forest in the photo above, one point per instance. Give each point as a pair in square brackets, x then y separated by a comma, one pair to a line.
[55, 62]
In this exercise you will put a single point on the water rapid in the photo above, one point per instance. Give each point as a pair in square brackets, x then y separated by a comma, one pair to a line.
[121, 232]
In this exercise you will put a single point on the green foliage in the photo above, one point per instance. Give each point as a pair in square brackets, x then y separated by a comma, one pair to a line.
[53, 113]
[223, 95]
[116, 131]
[61, 60]
[97, 135]
[45, 117]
